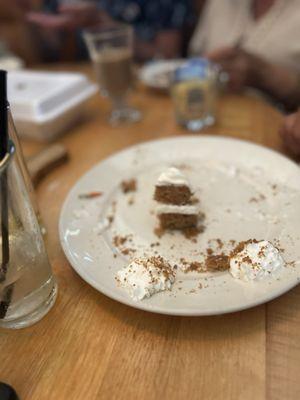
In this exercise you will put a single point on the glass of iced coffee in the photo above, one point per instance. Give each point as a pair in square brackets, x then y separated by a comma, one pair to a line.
[111, 50]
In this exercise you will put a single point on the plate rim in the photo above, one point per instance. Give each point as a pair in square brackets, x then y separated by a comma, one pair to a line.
[151, 65]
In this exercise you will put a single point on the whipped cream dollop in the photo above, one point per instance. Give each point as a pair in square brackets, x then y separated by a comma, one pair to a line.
[177, 209]
[256, 260]
[172, 176]
[144, 277]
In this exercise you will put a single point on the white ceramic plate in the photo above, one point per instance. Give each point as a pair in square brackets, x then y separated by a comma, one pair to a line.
[246, 192]
[156, 74]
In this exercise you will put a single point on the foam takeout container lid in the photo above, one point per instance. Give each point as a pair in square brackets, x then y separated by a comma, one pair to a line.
[43, 96]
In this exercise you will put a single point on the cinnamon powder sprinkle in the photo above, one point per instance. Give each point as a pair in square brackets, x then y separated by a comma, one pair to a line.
[160, 263]
[195, 266]
[240, 247]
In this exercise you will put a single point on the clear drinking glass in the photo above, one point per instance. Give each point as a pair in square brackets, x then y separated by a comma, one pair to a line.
[27, 286]
[23, 168]
[111, 50]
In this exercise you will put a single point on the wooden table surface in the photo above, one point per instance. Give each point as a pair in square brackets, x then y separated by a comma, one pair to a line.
[90, 347]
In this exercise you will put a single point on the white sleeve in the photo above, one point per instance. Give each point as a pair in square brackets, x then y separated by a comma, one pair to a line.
[197, 43]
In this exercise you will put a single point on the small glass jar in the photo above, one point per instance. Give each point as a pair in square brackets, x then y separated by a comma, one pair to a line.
[27, 286]
[194, 92]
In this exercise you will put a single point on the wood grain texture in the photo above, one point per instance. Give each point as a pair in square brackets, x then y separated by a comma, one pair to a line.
[90, 347]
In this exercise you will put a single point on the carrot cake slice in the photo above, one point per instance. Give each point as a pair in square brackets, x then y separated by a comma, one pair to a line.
[177, 217]
[175, 207]
[172, 187]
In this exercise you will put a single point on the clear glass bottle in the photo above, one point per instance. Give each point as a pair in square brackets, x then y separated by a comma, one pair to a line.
[27, 286]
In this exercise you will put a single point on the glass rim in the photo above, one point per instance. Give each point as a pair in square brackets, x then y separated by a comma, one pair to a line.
[106, 32]
[6, 160]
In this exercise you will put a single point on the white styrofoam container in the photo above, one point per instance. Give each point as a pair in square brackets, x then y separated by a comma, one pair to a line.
[45, 104]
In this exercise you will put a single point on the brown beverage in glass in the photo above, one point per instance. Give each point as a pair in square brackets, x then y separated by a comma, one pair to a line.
[111, 49]
[113, 68]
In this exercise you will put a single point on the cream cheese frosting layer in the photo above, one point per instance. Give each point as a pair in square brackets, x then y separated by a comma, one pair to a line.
[172, 176]
[175, 209]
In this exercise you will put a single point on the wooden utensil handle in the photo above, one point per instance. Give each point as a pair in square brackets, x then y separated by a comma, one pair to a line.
[46, 160]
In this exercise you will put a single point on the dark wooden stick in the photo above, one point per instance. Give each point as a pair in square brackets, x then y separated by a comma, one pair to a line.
[7, 292]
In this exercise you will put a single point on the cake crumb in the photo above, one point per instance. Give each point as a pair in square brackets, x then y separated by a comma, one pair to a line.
[110, 219]
[159, 232]
[129, 186]
[194, 200]
[119, 240]
[90, 195]
[130, 201]
[193, 232]
[291, 264]
[183, 166]
[195, 266]
[127, 251]
[217, 263]
[260, 197]
[154, 244]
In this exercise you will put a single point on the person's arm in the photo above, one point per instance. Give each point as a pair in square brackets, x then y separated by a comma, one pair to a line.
[171, 20]
[168, 43]
[69, 17]
[281, 83]
[15, 9]
[290, 132]
[245, 69]
[165, 45]
[57, 31]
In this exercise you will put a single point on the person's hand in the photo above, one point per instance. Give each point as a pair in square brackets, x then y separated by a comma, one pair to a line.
[69, 17]
[290, 132]
[244, 69]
